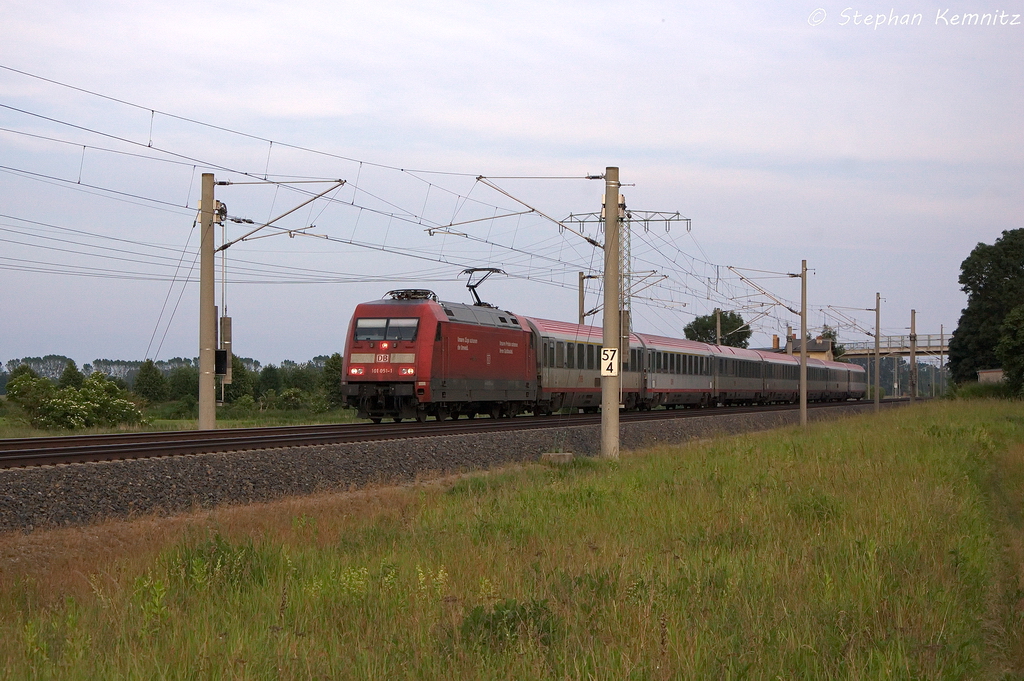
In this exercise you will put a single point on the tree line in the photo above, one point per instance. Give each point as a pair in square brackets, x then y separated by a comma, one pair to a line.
[990, 333]
[51, 391]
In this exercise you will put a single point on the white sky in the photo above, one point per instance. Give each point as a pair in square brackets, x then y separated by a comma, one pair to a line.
[882, 155]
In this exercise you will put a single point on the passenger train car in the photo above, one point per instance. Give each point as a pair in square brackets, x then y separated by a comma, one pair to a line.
[412, 356]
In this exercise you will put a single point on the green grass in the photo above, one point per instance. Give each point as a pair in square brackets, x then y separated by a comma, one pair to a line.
[874, 547]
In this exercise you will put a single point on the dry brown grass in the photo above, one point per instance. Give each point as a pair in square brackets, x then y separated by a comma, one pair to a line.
[59, 561]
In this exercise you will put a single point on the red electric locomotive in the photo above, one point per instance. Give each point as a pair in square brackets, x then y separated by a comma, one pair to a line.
[411, 356]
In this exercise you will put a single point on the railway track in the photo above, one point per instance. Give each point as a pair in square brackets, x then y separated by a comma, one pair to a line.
[27, 452]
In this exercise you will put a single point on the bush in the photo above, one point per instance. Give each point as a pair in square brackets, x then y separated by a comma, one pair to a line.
[981, 391]
[28, 390]
[268, 400]
[292, 398]
[319, 403]
[99, 402]
[186, 408]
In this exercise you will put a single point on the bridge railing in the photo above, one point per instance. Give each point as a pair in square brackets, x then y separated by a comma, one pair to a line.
[926, 342]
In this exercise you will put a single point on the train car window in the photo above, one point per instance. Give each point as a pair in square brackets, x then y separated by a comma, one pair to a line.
[437, 335]
[581, 356]
[551, 353]
[503, 320]
[590, 356]
[570, 356]
[371, 329]
[560, 355]
[515, 321]
[402, 329]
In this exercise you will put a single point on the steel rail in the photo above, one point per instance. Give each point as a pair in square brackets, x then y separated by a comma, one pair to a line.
[26, 452]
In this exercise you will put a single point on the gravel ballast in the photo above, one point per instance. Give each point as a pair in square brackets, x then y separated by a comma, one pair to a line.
[79, 494]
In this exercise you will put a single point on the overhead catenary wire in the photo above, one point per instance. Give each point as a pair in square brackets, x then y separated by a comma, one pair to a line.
[685, 272]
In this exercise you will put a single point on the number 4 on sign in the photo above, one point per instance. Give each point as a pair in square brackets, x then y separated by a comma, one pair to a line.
[609, 361]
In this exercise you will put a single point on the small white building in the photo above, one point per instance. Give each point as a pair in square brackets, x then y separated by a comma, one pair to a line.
[990, 375]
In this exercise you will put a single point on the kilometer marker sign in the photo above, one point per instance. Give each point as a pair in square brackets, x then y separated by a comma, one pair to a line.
[609, 361]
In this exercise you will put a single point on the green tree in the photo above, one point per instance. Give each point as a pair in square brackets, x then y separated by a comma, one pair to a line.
[150, 383]
[243, 381]
[71, 377]
[992, 276]
[828, 333]
[332, 377]
[21, 370]
[1010, 350]
[303, 376]
[183, 382]
[270, 379]
[734, 330]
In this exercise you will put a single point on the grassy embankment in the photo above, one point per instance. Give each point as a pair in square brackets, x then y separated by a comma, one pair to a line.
[881, 547]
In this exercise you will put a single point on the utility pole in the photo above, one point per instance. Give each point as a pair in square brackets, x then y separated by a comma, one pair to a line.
[718, 326]
[878, 352]
[207, 310]
[913, 355]
[803, 343]
[612, 330]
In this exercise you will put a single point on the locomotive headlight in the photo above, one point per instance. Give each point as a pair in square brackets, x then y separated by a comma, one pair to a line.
[356, 371]
[407, 371]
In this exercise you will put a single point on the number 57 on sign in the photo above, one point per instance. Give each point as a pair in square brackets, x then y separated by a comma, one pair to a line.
[609, 361]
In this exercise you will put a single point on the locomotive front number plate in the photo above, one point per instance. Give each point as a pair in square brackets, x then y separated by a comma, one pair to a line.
[609, 361]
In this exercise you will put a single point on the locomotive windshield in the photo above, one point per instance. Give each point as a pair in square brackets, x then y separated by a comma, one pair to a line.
[398, 329]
